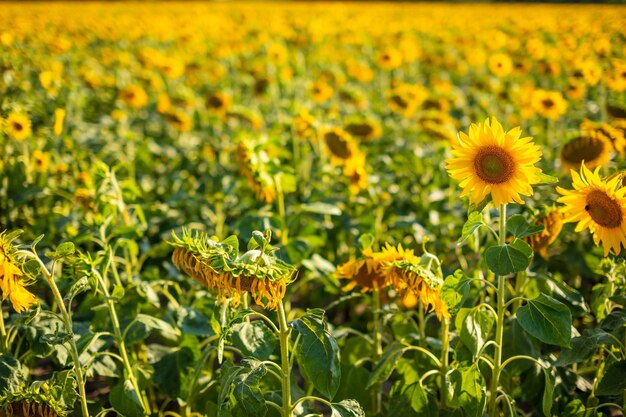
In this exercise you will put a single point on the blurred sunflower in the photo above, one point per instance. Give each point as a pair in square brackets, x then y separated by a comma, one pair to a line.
[255, 165]
[339, 144]
[549, 104]
[608, 131]
[552, 222]
[304, 124]
[321, 92]
[59, 119]
[178, 119]
[591, 148]
[11, 284]
[364, 129]
[40, 161]
[597, 205]
[389, 58]
[18, 126]
[500, 64]
[134, 96]
[218, 102]
[491, 161]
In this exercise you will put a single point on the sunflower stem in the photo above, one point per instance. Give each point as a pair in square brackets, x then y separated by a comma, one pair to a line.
[284, 359]
[445, 342]
[377, 349]
[501, 308]
[421, 323]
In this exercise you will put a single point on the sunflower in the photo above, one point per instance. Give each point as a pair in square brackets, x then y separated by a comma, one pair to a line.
[321, 92]
[178, 119]
[219, 266]
[18, 126]
[339, 144]
[304, 124]
[608, 131]
[500, 65]
[597, 205]
[389, 58]
[40, 161]
[552, 222]
[255, 164]
[364, 129]
[10, 283]
[134, 96]
[595, 150]
[355, 171]
[549, 104]
[218, 102]
[491, 161]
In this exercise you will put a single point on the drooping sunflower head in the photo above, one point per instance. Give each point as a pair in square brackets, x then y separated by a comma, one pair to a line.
[598, 205]
[490, 161]
[220, 267]
[594, 149]
[552, 222]
[12, 279]
[17, 126]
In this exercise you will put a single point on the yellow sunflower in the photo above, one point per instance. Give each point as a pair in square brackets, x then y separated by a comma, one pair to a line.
[597, 205]
[500, 64]
[18, 126]
[11, 284]
[59, 118]
[549, 104]
[134, 96]
[491, 161]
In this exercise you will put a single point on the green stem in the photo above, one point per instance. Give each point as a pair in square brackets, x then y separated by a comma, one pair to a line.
[120, 340]
[377, 349]
[196, 374]
[67, 322]
[495, 376]
[280, 199]
[445, 342]
[520, 281]
[284, 359]
[421, 323]
[3, 332]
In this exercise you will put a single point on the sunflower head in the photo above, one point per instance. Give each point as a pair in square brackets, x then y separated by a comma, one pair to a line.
[12, 278]
[220, 267]
[608, 131]
[490, 161]
[17, 126]
[594, 149]
[549, 104]
[552, 222]
[364, 129]
[134, 96]
[598, 205]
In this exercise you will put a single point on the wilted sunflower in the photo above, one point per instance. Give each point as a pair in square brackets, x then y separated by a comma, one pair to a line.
[595, 150]
[11, 284]
[552, 222]
[219, 266]
[17, 126]
[597, 205]
[491, 161]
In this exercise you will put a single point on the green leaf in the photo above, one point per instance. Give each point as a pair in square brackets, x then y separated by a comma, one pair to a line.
[347, 408]
[613, 381]
[509, 258]
[546, 319]
[11, 376]
[318, 353]
[547, 179]
[519, 227]
[171, 370]
[118, 292]
[65, 387]
[78, 287]
[583, 347]
[474, 221]
[144, 324]
[254, 339]
[63, 250]
[387, 363]
[474, 326]
[469, 390]
[247, 398]
[455, 290]
[125, 401]
[192, 321]
[548, 391]
[366, 240]
[412, 400]
[321, 208]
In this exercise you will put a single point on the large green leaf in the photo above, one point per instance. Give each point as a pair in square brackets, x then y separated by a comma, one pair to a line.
[347, 408]
[247, 398]
[125, 401]
[144, 324]
[583, 347]
[469, 390]
[546, 319]
[387, 363]
[509, 258]
[519, 227]
[473, 326]
[64, 385]
[171, 371]
[613, 381]
[254, 339]
[412, 401]
[318, 353]
[11, 375]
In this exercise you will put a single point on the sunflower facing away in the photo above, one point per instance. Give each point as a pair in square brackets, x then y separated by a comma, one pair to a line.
[597, 205]
[491, 161]
[552, 222]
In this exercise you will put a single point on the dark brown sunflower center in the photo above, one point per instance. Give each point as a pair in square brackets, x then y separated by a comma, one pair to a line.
[494, 165]
[338, 145]
[548, 103]
[215, 102]
[17, 126]
[399, 101]
[360, 129]
[603, 209]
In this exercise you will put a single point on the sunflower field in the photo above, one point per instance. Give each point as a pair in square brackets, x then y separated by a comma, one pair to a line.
[312, 209]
